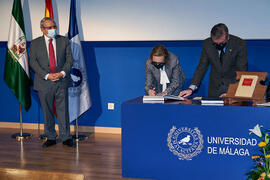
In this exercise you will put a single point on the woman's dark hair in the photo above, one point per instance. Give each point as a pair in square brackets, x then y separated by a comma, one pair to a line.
[160, 50]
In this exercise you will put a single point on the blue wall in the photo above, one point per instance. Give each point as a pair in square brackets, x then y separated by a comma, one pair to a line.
[116, 73]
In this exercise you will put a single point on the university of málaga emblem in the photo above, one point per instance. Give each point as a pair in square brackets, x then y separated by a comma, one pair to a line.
[185, 142]
[78, 79]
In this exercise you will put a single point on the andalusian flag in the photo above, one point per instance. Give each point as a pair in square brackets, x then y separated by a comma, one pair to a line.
[79, 96]
[48, 9]
[16, 73]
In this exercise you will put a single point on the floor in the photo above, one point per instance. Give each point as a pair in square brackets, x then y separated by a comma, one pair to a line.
[98, 157]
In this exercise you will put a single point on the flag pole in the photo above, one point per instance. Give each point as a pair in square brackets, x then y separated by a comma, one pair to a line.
[48, 13]
[42, 137]
[21, 136]
[77, 136]
[21, 133]
[81, 101]
[77, 130]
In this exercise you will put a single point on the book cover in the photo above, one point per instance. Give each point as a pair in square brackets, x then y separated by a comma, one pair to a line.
[246, 86]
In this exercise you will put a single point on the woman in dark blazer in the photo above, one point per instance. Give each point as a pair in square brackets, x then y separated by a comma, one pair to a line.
[163, 74]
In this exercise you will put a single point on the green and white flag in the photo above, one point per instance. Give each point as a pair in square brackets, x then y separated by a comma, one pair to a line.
[16, 73]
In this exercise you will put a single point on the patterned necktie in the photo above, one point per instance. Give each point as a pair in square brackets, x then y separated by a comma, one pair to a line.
[52, 57]
[221, 55]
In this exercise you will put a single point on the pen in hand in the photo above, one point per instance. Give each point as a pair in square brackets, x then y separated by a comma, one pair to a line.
[152, 92]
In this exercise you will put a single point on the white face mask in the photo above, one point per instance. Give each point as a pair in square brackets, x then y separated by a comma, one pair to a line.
[52, 33]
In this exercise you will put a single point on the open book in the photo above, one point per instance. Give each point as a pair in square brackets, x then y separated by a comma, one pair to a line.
[264, 104]
[162, 98]
[172, 97]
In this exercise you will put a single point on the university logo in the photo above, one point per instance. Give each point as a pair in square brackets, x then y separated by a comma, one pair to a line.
[185, 142]
[77, 75]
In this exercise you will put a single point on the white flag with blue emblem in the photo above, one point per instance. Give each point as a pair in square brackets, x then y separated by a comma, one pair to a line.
[79, 96]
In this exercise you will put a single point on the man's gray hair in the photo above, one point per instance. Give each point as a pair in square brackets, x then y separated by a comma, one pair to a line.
[218, 30]
[45, 19]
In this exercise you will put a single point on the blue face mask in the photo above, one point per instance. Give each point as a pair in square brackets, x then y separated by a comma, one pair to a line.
[52, 33]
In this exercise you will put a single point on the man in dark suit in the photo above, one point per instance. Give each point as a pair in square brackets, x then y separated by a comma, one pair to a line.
[51, 59]
[226, 54]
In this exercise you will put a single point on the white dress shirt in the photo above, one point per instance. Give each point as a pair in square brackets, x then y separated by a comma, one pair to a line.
[54, 48]
[163, 78]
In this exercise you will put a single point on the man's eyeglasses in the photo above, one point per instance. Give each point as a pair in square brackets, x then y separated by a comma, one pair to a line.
[50, 27]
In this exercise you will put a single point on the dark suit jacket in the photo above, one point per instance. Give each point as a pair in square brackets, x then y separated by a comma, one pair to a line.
[39, 62]
[221, 75]
[175, 75]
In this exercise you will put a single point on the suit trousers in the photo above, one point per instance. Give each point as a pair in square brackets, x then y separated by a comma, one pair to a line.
[47, 97]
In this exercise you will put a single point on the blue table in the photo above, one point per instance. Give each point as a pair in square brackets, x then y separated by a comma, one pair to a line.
[177, 141]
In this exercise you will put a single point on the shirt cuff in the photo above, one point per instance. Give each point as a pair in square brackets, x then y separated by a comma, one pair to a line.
[46, 77]
[64, 74]
[193, 87]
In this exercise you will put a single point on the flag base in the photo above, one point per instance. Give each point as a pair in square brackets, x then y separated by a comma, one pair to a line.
[43, 137]
[20, 137]
[80, 137]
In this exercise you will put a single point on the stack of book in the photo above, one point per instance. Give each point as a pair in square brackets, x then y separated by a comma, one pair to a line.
[153, 99]
[160, 99]
[212, 101]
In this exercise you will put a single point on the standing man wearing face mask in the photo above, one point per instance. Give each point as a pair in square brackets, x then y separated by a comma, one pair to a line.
[163, 74]
[226, 54]
[51, 59]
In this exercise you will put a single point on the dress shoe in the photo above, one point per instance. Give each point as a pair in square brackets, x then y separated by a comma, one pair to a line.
[69, 143]
[48, 143]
